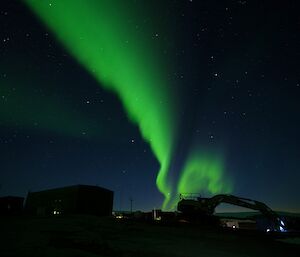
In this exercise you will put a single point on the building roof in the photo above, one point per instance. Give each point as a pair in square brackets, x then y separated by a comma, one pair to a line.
[75, 187]
[8, 197]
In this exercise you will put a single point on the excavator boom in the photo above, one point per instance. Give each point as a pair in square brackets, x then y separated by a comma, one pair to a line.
[206, 207]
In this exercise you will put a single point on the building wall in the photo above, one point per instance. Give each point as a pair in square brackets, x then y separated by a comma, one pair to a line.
[71, 200]
[11, 205]
[95, 201]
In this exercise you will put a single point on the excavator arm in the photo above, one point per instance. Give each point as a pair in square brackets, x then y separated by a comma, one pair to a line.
[206, 206]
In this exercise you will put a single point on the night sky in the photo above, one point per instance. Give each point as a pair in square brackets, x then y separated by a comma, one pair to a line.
[151, 99]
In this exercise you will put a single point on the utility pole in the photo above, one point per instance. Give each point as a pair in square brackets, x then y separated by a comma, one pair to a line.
[121, 198]
[131, 200]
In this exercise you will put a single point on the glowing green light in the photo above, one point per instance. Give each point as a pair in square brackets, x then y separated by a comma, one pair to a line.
[101, 36]
[203, 173]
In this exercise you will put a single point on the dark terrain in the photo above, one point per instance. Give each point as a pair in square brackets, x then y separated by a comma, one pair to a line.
[92, 236]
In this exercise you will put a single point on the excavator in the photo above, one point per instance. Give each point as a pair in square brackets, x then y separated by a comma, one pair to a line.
[204, 208]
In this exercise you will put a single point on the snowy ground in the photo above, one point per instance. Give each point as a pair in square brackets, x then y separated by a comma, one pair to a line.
[92, 236]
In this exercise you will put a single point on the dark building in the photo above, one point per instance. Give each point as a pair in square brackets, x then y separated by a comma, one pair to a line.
[79, 199]
[11, 205]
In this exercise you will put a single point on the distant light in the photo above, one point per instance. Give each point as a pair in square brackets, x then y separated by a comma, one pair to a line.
[268, 230]
[234, 226]
[282, 223]
[281, 229]
[55, 212]
[155, 215]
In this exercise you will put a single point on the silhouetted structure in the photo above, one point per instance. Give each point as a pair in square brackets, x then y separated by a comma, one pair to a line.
[79, 199]
[11, 205]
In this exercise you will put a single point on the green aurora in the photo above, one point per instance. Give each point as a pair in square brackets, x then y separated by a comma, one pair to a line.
[104, 40]
[203, 171]
[101, 38]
